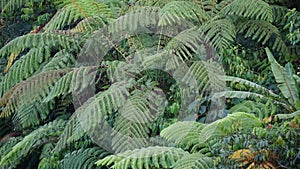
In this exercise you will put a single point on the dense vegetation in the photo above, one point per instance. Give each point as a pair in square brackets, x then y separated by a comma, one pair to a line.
[149, 84]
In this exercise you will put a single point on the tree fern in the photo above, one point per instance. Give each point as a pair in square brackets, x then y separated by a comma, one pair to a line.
[148, 157]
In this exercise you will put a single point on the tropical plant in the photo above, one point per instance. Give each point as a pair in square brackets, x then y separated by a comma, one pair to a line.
[98, 71]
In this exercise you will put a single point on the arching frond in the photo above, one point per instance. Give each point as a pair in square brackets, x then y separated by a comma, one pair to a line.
[252, 9]
[260, 110]
[144, 158]
[196, 160]
[227, 125]
[219, 32]
[83, 158]
[28, 91]
[181, 12]
[25, 67]
[61, 60]
[132, 126]
[185, 133]
[34, 140]
[21, 43]
[78, 9]
[262, 33]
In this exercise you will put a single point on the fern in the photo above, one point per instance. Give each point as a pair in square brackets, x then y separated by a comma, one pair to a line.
[263, 33]
[252, 9]
[219, 32]
[180, 12]
[196, 160]
[144, 158]
[25, 67]
[24, 92]
[34, 140]
[226, 125]
[261, 111]
[75, 10]
[186, 134]
[83, 158]
[50, 40]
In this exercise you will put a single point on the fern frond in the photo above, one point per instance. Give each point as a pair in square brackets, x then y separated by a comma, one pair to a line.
[74, 81]
[44, 134]
[196, 160]
[185, 133]
[31, 114]
[11, 5]
[78, 9]
[61, 60]
[262, 33]
[252, 9]
[288, 116]
[36, 40]
[279, 13]
[26, 92]
[226, 125]
[284, 78]
[83, 158]
[147, 158]
[219, 32]
[132, 126]
[180, 12]
[260, 110]
[25, 67]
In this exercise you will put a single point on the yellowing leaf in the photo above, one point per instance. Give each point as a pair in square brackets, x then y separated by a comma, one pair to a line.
[10, 61]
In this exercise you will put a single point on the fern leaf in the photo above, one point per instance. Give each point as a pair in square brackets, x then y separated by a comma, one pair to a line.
[252, 9]
[224, 126]
[262, 33]
[219, 32]
[132, 126]
[288, 116]
[26, 92]
[76, 10]
[285, 80]
[196, 160]
[180, 12]
[44, 134]
[83, 158]
[25, 67]
[144, 158]
[186, 133]
[41, 39]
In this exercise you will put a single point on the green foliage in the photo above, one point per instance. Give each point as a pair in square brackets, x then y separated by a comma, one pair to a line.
[133, 101]
[144, 158]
